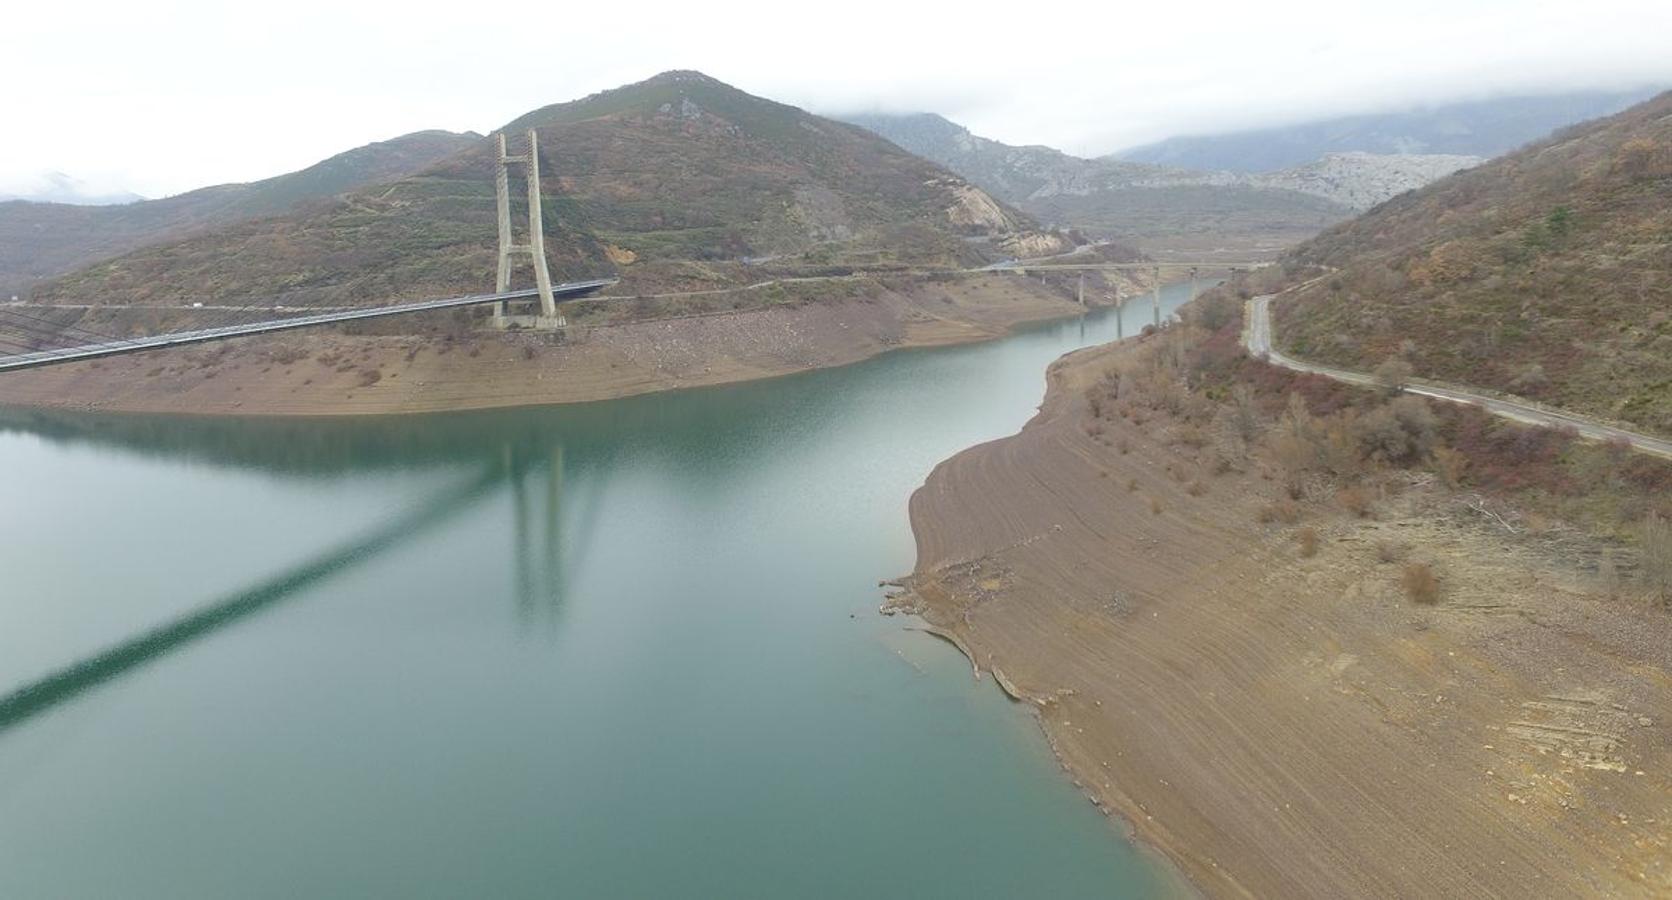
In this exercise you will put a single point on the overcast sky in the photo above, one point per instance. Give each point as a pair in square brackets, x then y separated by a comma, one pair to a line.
[160, 97]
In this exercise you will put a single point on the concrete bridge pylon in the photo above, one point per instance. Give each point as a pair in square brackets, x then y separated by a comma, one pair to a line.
[536, 247]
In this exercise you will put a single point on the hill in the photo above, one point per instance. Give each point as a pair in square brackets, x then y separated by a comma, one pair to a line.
[678, 181]
[1158, 205]
[1482, 128]
[1546, 273]
[42, 240]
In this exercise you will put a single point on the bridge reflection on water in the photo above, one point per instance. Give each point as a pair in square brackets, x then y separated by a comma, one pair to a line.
[536, 559]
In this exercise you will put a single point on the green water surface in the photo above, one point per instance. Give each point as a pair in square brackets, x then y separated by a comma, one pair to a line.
[626, 649]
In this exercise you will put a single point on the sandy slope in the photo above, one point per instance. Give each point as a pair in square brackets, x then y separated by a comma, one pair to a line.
[1288, 727]
[329, 373]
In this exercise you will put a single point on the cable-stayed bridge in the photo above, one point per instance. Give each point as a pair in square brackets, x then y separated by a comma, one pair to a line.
[96, 344]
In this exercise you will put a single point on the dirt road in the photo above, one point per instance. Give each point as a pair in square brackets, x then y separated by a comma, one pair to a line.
[1257, 337]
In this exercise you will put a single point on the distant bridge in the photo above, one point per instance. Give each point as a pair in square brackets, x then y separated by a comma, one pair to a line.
[117, 346]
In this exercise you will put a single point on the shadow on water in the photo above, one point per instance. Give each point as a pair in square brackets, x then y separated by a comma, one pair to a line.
[539, 569]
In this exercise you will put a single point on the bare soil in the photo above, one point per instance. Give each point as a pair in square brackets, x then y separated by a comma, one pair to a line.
[1284, 725]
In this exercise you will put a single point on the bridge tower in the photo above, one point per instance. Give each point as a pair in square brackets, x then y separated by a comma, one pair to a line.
[536, 246]
[1158, 297]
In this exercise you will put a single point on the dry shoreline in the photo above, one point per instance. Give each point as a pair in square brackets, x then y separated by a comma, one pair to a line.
[1285, 726]
[327, 373]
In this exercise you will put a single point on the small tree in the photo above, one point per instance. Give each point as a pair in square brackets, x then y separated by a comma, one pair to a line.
[1393, 374]
[1421, 584]
[1654, 539]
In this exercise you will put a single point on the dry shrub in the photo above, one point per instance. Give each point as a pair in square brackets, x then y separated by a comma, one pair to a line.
[1131, 484]
[1420, 583]
[1450, 465]
[1608, 573]
[1402, 431]
[1355, 499]
[1123, 447]
[1308, 539]
[1284, 510]
[1190, 436]
[1389, 551]
[1196, 488]
[1244, 412]
[1155, 505]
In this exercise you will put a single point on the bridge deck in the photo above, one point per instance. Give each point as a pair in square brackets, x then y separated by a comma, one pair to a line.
[179, 338]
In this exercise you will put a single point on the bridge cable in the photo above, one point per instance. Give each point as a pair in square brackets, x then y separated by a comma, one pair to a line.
[57, 331]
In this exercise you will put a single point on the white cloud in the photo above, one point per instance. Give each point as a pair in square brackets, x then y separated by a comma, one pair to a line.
[163, 97]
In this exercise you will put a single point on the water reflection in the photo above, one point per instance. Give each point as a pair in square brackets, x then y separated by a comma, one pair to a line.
[538, 454]
[538, 559]
[71, 681]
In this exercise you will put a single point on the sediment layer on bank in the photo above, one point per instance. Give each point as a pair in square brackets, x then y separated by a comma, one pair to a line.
[333, 373]
[1270, 709]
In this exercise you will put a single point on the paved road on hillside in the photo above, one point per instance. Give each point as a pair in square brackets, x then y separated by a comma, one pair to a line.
[1256, 337]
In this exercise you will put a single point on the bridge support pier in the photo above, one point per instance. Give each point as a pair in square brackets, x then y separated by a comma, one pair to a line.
[1158, 298]
[549, 316]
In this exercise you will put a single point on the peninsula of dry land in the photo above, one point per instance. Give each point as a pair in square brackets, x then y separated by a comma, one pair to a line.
[1314, 641]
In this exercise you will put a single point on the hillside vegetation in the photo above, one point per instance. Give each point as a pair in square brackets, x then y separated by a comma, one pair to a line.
[1546, 273]
[678, 181]
[41, 240]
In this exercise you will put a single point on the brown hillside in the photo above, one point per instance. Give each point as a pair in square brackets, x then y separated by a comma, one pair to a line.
[679, 180]
[43, 240]
[1546, 273]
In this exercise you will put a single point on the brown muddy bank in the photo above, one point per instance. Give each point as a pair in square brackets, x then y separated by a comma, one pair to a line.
[330, 373]
[1287, 723]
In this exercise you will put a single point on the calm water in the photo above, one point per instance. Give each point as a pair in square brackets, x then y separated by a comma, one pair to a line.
[628, 649]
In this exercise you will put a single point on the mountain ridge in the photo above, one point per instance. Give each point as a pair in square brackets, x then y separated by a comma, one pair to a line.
[1141, 202]
[1483, 128]
[677, 180]
[44, 240]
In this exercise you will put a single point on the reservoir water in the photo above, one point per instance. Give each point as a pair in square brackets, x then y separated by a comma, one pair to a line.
[626, 649]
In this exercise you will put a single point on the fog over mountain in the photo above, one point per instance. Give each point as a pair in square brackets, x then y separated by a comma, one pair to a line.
[1483, 128]
[200, 102]
[57, 187]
